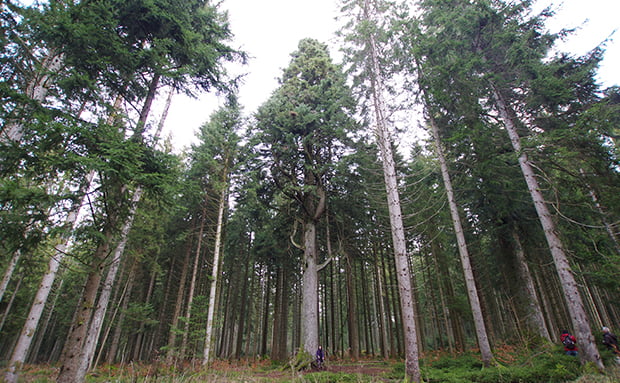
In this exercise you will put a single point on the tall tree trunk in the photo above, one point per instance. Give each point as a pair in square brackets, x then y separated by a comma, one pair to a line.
[309, 285]
[574, 302]
[172, 334]
[88, 351]
[36, 310]
[412, 367]
[139, 344]
[352, 309]
[8, 272]
[535, 315]
[472, 291]
[245, 302]
[215, 272]
[265, 316]
[192, 284]
[608, 226]
[442, 295]
[381, 296]
[11, 301]
[72, 350]
[37, 90]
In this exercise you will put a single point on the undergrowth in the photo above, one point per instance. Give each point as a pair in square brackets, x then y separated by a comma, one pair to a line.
[545, 364]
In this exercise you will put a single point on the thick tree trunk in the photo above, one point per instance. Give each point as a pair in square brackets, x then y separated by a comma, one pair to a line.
[470, 283]
[309, 285]
[72, 350]
[574, 302]
[215, 274]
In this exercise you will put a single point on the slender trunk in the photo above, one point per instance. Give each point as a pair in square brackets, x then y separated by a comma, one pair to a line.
[215, 274]
[608, 226]
[192, 285]
[412, 367]
[8, 273]
[137, 355]
[352, 310]
[535, 315]
[11, 301]
[574, 302]
[88, 351]
[383, 335]
[179, 304]
[243, 309]
[472, 291]
[265, 318]
[442, 295]
[36, 90]
[111, 357]
[34, 350]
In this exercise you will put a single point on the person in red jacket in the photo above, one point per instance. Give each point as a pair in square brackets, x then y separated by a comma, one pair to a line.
[569, 342]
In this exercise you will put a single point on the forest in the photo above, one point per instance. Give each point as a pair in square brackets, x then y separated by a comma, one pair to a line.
[465, 243]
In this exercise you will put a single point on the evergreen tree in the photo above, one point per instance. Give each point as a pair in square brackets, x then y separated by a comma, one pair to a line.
[303, 129]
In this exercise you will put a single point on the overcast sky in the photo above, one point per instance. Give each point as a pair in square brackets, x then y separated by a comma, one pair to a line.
[269, 31]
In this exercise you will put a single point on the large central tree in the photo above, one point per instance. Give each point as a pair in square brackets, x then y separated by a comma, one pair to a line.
[303, 129]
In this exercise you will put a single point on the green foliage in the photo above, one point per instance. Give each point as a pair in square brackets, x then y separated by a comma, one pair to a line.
[550, 366]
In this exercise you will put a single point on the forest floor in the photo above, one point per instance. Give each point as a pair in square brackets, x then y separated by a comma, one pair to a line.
[542, 365]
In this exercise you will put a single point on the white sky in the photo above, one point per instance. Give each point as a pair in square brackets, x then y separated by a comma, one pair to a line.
[269, 31]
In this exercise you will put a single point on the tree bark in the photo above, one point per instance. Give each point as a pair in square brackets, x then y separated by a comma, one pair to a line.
[352, 310]
[192, 284]
[470, 283]
[215, 272]
[37, 90]
[8, 273]
[574, 302]
[172, 334]
[412, 367]
[535, 315]
[88, 351]
[71, 354]
[309, 285]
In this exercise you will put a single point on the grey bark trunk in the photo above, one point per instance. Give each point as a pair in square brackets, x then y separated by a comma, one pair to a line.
[88, 351]
[36, 310]
[574, 302]
[215, 275]
[352, 310]
[37, 90]
[310, 300]
[472, 290]
[8, 273]
[412, 367]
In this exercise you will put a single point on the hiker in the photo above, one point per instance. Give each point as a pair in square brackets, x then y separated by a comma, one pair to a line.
[569, 342]
[610, 340]
[320, 357]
